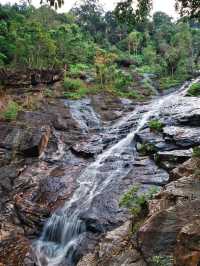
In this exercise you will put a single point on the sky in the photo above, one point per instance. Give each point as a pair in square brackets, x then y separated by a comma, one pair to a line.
[166, 6]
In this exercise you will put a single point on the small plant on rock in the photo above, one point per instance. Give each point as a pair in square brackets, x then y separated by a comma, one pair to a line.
[147, 149]
[156, 125]
[136, 202]
[11, 111]
[161, 261]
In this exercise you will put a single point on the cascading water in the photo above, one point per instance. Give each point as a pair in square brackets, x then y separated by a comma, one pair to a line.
[65, 230]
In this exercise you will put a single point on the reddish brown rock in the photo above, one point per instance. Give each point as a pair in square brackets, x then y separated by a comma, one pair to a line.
[188, 168]
[13, 250]
[159, 233]
[187, 252]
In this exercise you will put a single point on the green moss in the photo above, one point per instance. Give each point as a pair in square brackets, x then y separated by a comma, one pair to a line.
[156, 125]
[194, 90]
[196, 152]
[11, 111]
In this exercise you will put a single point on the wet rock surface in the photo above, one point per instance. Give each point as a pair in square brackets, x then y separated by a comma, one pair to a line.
[174, 208]
[48, 152]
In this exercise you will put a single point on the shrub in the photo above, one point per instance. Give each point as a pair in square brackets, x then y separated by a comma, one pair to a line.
[72, 84]
[156, 125]
[11, 111]
[169, 82]
[147, 149]
[78, 69]
[122, 80]
[196, 152]
[145, 69]
[194, 90]
[136, 202]
[77, 94]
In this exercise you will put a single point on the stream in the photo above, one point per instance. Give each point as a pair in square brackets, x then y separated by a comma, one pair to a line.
[93, 208]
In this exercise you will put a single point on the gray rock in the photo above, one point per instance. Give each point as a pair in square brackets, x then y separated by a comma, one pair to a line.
[184, 137]
[171, 159]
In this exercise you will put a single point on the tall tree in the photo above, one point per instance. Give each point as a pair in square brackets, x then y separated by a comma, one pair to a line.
[89, 16]
[126, 13]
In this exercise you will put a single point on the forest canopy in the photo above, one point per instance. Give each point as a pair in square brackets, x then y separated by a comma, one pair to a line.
[42, 38]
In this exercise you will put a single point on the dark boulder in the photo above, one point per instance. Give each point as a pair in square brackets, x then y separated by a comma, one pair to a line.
[30, 141]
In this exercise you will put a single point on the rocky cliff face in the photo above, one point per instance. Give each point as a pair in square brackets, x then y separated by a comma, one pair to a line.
[43, 153]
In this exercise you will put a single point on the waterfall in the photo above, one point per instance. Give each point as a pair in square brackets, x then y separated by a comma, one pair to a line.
[65, 229]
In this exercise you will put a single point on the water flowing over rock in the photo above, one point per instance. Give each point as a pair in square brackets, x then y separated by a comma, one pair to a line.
[65, 167]
[91, 210]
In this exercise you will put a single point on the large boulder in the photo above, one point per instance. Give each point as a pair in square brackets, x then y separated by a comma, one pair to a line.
[181, 111]
[187, 251]
[30, 141]
[171, 159]
[145, 171]
[114, 249]
[35, 141]
[159, 234]
[188, 168]
[184, 137]
[176, 206]
[146, 136]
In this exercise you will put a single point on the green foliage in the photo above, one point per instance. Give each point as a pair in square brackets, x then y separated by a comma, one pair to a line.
[87, 39]
[76, 95]
[150, 55]
[156, 125]
[105, 67]
[146, 69]
[194, 90]
[126, 14]
[147, 149]
[162, 261]
[122, 80]
[169, 82]
[135, 201]
[76, 69]
[130, 94]
[76, 89]
[11, 111]
[196, 152]
[72, 84]
[48, 92]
